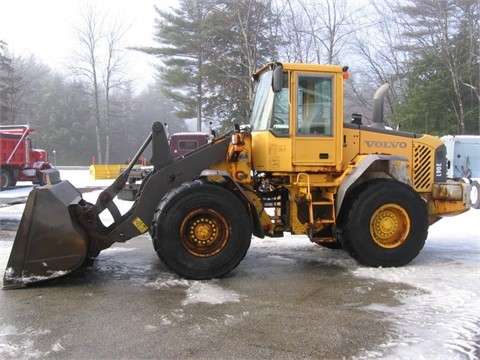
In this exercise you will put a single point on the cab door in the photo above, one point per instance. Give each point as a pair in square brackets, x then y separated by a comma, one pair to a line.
[316, 116]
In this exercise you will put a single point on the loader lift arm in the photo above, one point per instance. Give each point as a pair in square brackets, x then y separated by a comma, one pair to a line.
[161, 156]
[59, 230]
[167, 174]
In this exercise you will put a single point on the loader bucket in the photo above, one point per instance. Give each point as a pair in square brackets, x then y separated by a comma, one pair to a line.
[49, 243]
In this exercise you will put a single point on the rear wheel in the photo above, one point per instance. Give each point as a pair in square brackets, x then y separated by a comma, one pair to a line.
[475, 195]
[201, 230]
[5, 179]
[385, 224]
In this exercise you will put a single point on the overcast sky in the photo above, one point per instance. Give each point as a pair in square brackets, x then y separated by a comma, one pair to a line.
[44, 28]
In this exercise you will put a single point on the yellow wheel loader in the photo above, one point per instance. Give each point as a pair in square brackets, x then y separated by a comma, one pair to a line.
[297, 168]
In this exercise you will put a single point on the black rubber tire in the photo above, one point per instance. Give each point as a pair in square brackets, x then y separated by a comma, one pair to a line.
[187, 209]
[475, 195]
[5, 179]
[375, 208]
[41, 178]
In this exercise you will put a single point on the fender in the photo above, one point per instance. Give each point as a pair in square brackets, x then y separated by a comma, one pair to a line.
[352, 174]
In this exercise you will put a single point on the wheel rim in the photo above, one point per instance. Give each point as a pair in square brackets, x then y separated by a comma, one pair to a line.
[473, 195]
[390, 226]
[204, 232]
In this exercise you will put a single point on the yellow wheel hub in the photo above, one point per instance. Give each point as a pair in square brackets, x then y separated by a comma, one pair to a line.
[204, 232]
[390, 226]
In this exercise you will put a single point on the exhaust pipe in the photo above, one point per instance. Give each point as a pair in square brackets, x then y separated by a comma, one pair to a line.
[377, 111]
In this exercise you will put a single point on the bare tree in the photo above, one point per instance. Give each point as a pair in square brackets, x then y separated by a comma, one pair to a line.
[87, 58]
[295, 46]
[381, 59]
[99, 60]
[113, 74]
[317, 30]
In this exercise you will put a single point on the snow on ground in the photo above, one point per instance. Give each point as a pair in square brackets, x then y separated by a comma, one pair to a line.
[440, 319]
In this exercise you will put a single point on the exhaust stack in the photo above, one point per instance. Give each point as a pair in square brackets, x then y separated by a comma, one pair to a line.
[377, 111]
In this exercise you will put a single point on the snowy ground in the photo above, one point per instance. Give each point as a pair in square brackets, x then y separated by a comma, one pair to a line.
[440, 319]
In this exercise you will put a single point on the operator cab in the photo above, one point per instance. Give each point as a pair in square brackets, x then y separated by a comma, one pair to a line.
[297, 115]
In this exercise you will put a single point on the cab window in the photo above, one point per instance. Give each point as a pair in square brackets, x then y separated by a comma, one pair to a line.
[263, 102]
[187, 144]
[314, 106]
[280, 121]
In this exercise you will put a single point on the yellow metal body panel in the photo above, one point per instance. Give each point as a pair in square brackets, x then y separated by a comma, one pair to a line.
[450, 198]
[270, 153]
[370, 141]
[418, 149]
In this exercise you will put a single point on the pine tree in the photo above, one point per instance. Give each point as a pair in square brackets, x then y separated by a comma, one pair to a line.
[5, 84]
[442, 40]
[209, 49]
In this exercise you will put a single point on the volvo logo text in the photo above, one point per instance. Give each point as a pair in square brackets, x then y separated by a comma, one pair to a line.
[387, 144]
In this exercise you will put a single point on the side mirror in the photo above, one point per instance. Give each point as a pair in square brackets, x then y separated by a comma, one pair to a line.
[277, 80]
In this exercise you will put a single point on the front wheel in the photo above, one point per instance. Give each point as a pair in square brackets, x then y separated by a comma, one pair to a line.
[201, 230]
[385, 223]
[41, 178]
[5, 179]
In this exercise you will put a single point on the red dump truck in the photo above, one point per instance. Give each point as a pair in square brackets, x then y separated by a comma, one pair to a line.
[19, 161]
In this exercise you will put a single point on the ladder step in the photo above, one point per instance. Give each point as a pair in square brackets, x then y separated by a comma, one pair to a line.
[322, 184]
[326, 221]
[322, 203]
